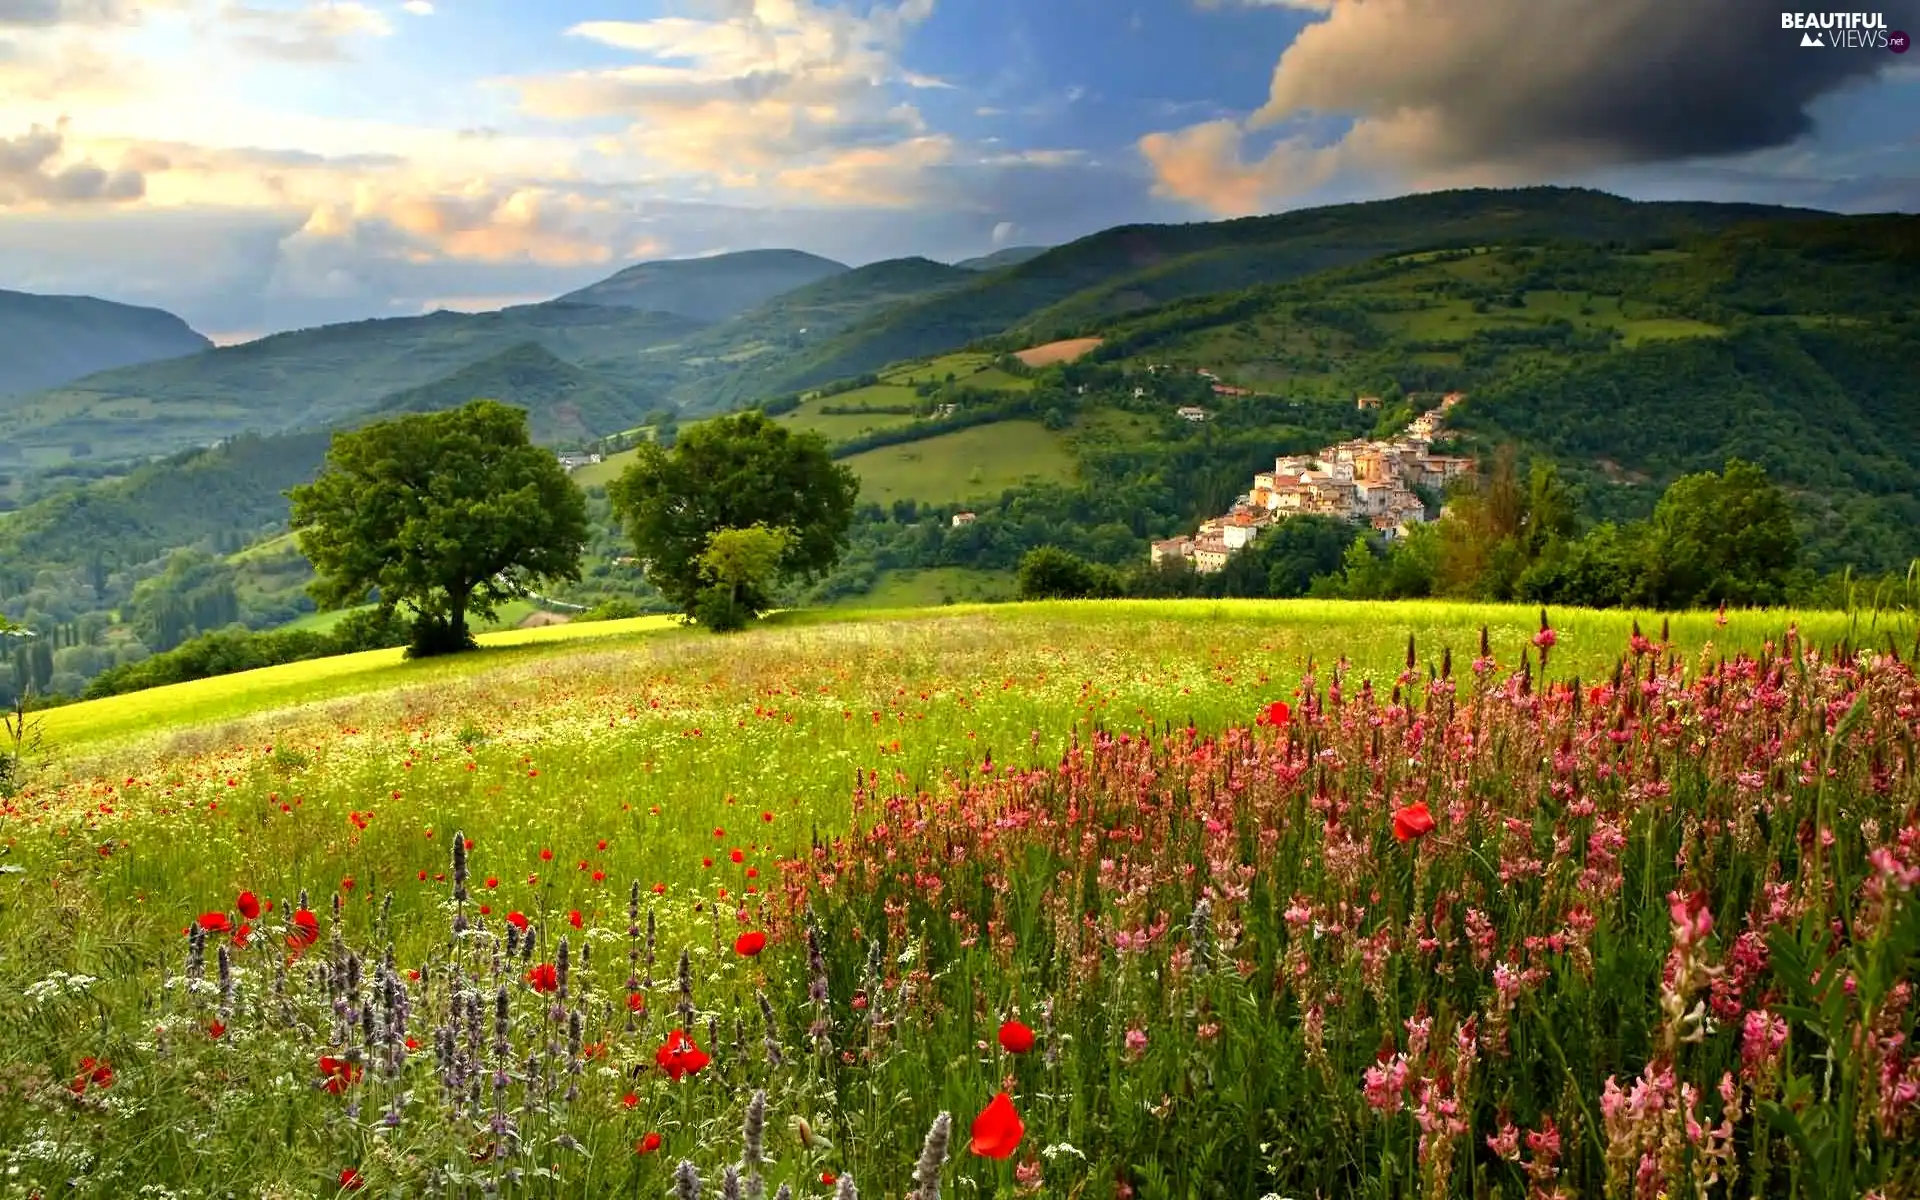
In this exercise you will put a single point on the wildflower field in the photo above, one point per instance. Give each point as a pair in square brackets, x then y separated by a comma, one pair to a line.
[1163, 901]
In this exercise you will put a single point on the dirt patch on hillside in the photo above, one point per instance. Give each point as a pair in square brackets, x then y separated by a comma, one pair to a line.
[1058, 352]
[540, 620]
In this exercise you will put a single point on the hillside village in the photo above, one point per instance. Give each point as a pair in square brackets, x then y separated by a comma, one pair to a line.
[1371, 482]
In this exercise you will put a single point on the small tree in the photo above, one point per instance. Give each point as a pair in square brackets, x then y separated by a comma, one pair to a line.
[741, 566]
[447, 513]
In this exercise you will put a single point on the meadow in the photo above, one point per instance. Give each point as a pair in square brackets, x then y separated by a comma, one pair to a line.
[1118, 899]
[967, 464]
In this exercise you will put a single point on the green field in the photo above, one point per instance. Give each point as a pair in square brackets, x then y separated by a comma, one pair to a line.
[934, 586]
[968, 464]
[837, 427]
[1013, 807]
[960, 365]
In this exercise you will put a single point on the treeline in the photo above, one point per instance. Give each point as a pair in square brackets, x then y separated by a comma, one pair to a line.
[1715, 538]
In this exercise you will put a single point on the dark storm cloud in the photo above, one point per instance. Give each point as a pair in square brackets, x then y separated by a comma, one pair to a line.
[1451, 83]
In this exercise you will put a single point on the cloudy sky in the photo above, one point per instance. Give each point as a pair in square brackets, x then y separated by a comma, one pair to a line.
[266, 164]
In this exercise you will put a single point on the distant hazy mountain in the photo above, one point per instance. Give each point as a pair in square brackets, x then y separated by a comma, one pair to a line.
[306, 379]
[564, 403]
[1012, 256]
[46, 341]
[708, 289]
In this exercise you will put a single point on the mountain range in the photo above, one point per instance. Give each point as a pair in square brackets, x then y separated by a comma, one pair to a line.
[707, 334]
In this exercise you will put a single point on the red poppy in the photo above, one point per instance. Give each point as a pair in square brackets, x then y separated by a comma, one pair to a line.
[636, 1002]
[1016, 1037]
[736, 856]
[602, 844]
[492, 882]
[680, 1056]
[249, 906]
[647, 1144]
[305, 931]
[544, 977]
[94, 1072]
[350, 1179]
[1275, 714]
[659, 889]
[630, 1099]
[828, 1178]
[215, 922]
[338, 1073]
[216, 1029]
[750, 944]
[241, 935]
[997, 1130]
[1412, 821]
[546, 856]
[518, 920]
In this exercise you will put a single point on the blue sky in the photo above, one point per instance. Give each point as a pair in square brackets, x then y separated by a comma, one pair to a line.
[265, 164]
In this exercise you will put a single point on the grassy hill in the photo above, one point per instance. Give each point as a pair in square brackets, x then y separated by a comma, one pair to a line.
[46, 341]
[707, 289]
[565, 404]
[1073, 288]
[307, 379]
[739, 360]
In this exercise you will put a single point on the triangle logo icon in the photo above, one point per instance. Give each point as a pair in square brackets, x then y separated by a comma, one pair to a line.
[1811, 39]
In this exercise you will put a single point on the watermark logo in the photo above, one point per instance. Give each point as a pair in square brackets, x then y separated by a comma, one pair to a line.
[1845, 31]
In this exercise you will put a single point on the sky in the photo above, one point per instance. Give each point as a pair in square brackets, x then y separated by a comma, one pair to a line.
[258, 165]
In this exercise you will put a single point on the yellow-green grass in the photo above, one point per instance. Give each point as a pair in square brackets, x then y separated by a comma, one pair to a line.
[1371, 636]
[932, 586]
[841, 426]
[994, 379]
[605, 471]
[968, 464]
[960, 365]
[80, 727]
[507, 616]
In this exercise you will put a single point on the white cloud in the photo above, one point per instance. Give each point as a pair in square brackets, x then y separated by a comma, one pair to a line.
[314, 31]
[419, 8]
[38, 171]
[779, 96]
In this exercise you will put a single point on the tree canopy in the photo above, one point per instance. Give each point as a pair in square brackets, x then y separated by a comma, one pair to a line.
[733, 473]
[449, 513]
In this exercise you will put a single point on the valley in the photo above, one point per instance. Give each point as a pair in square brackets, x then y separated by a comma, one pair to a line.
[1628, 344]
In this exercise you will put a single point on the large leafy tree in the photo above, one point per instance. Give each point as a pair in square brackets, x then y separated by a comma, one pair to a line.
[733, 473]
[1723, 538]
[448, 513]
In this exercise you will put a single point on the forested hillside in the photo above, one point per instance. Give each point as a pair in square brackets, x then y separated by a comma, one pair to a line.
[46, 341]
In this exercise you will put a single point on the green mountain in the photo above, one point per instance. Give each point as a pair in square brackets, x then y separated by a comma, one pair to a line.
[707, 289]
[307, 379]
[734, 361]
[565, 404]
[1074, 288]
[46, 341]
[1012, 256]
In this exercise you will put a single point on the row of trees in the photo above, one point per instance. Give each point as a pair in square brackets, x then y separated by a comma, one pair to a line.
[1724, 537]
[450, 514]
